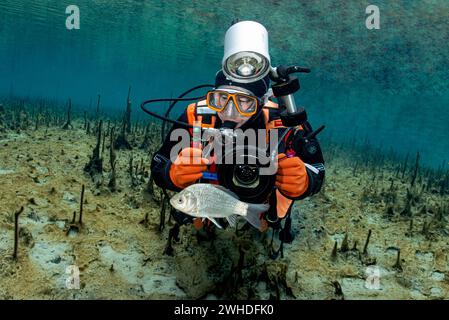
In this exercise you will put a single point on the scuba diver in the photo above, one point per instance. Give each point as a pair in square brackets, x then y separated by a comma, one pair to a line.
[242, 103]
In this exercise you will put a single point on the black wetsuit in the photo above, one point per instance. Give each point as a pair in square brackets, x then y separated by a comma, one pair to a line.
[160, 166]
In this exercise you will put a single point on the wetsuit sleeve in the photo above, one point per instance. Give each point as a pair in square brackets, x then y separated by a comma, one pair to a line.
[160, 164]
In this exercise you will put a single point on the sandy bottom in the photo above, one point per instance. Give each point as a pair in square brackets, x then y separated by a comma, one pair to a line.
[120, 258]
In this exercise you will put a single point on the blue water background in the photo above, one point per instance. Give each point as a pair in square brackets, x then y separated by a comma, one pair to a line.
[389, 86]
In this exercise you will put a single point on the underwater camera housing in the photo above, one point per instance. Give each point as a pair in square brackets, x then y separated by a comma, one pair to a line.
[245, 179]
[244, 168]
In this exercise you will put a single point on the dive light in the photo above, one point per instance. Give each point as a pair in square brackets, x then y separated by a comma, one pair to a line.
[246, 58]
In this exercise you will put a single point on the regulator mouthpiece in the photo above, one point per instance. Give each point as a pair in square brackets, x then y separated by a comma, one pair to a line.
[229, 125]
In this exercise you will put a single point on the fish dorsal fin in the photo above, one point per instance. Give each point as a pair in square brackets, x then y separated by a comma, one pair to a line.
[232, 194]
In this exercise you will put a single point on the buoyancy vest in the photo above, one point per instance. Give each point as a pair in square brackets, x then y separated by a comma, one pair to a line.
[200, 114]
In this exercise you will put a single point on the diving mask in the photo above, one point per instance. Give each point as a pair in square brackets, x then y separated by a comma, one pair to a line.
[231, 102]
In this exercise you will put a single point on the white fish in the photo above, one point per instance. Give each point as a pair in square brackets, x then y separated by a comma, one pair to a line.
[203, 200]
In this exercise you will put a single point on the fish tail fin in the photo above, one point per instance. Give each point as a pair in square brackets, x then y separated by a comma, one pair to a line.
[253, 214]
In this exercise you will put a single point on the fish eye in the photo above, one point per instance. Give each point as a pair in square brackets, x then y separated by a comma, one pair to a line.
[180, 200]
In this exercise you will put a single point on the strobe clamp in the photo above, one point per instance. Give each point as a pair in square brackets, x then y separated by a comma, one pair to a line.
[283, 89]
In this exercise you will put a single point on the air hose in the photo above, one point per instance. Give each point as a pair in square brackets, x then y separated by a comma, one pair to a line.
[173, 101]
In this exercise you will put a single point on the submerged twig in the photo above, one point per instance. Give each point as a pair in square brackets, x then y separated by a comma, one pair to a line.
[365, 248]
[415, 171]
[172, 234]
[68, 124]
[345, 245]
[112, 161]
[398, 265]
[16, 232]
[80, 221]
[95, 165]
[334, 251]
[338, 290]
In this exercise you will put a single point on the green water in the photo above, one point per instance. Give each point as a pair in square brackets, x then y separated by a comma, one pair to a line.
[388, 86]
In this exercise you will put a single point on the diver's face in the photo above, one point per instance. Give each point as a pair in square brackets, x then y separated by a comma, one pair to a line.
[230, 112]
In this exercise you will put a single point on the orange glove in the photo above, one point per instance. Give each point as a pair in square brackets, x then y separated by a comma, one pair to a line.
[291, 179]
[187, 167]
